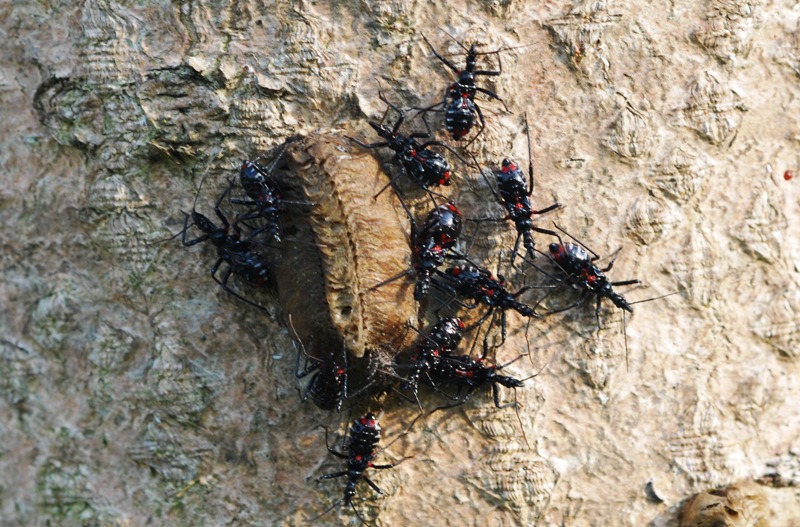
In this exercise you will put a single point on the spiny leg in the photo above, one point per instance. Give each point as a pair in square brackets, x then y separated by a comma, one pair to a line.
[481, 126]
[583, 298]
[438, 56]
[493, 95]
[334, 475]
[373, 485]
[224, 283]
[400, 114]
[370, 146]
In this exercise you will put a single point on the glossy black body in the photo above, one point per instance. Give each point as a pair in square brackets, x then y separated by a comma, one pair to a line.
[581, 272]
[425, 167]
[241, 257]
[430, 245]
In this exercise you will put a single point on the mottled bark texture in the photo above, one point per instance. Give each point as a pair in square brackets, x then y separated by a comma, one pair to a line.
[134, 391]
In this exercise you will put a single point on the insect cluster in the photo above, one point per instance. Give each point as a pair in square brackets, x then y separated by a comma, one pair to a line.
[358, 274]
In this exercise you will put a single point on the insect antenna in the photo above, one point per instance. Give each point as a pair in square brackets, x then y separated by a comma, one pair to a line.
[326, 511]
[281, 152]
[516, 403]
[180, 232]
[301, 350]
[507, 48]
[494, 52]
[488, 183]
[530, 156]
[548, 275]
[186, 215]
[527, 340]
[596, 256]
[625, 339]
[659, 297]
[624, 328]
[353, 506]
[393, 441]
[519, 420]
[462, 46]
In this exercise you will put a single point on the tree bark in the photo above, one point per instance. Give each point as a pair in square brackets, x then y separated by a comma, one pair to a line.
[135, 391]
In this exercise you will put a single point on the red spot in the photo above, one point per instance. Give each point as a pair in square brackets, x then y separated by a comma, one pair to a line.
[456, 271]
[358, 458]
[504, 169]
[340, 371]
[460, 323]
[412, 153]
[789, 174]
[512, 167]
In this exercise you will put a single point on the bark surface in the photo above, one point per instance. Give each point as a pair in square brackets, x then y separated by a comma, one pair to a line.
[134, 391]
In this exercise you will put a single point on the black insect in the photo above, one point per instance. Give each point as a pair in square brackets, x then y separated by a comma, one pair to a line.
[263, 195]
[426, 167]
[514, 192]
[242, 259]
[477, 284]
[440, 342]
[430, 244]
[328, 386]
[468, 374]
[365, 433]
[576, 262]
[459, 107]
